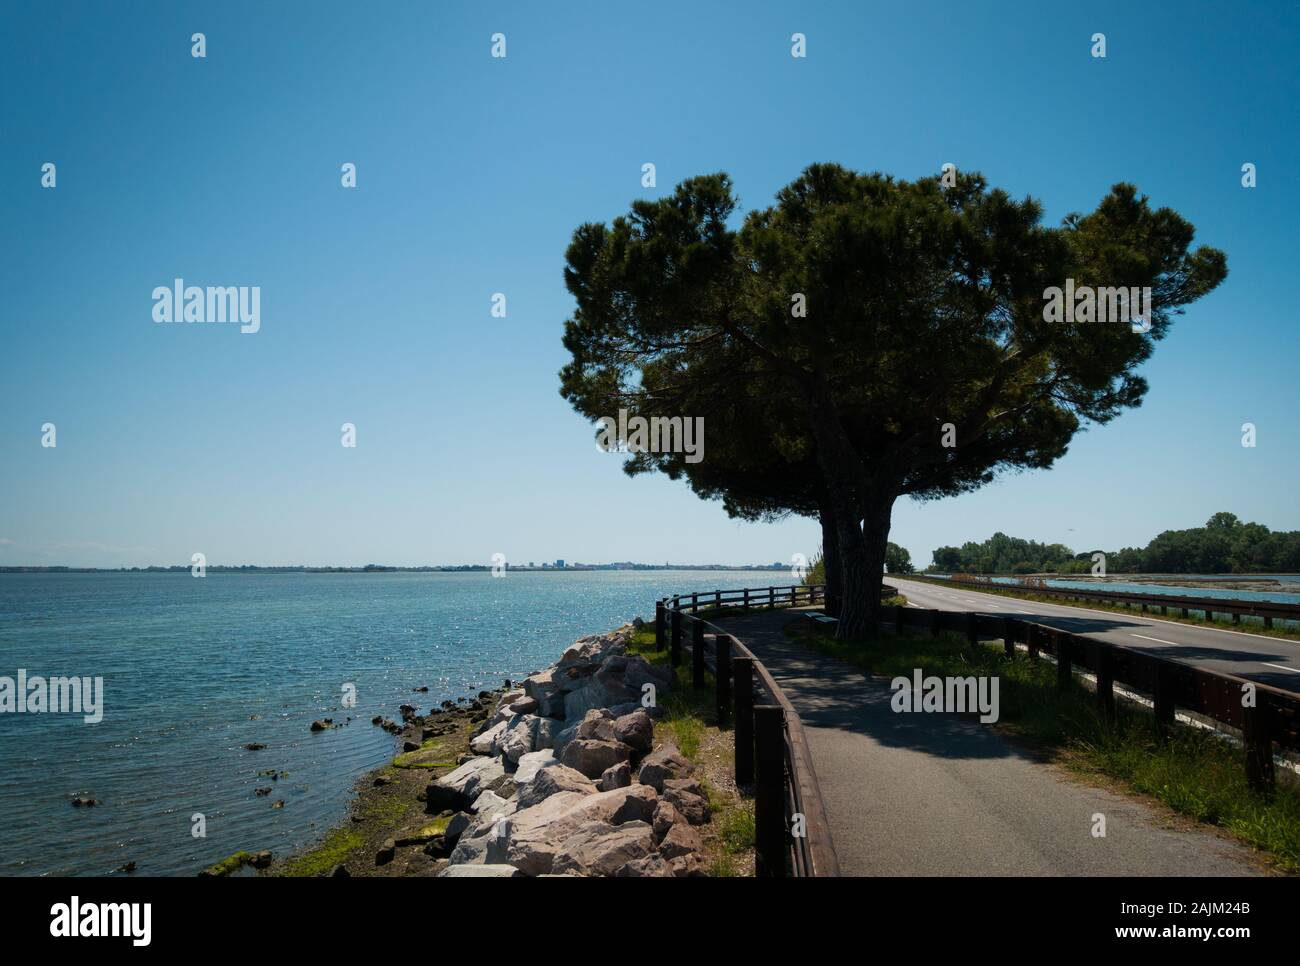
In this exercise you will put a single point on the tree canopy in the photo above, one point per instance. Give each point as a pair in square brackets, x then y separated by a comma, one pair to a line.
[879, 336]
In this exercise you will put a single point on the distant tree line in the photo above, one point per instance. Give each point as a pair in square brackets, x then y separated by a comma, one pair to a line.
[897, 561]
[1224, 545]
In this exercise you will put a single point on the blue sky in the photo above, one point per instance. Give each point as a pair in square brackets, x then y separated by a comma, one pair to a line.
[472, 174]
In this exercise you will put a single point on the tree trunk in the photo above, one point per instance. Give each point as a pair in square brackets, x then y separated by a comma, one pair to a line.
[831, 563]
[854, 621]
[876, 516]
[843, 479]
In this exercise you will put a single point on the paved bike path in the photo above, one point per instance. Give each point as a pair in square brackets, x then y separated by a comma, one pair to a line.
[932, 794]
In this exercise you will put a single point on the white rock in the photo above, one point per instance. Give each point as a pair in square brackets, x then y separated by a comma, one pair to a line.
[485, 744]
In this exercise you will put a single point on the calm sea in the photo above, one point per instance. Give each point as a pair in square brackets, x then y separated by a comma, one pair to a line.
[195, 669]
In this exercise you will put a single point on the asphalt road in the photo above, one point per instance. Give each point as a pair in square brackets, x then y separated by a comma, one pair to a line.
[1268, 660]
[934, 794]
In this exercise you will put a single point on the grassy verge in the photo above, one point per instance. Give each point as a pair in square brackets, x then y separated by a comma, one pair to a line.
[1253, 625]
[690, 722]
[1196, 772]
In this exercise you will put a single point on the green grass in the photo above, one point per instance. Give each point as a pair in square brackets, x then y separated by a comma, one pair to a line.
[1195, 772]
[736, 829]
[1253, 625]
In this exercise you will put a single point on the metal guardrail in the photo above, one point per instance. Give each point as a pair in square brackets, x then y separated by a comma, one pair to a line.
[792, 833]
[1267, 610]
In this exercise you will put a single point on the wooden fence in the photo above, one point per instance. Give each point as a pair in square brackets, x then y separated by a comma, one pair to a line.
[792, 834]
[1262, 714]
[772, 750]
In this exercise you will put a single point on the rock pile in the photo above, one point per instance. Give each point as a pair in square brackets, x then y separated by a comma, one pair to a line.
[566, 778]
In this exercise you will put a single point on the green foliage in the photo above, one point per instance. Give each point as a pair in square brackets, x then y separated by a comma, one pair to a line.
[1223, 545]
[897, 559]
[924, 307]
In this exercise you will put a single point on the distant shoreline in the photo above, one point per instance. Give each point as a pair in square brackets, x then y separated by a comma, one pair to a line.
[379, 569]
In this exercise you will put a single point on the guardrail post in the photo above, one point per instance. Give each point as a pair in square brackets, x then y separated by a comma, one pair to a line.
[769, 791]
[695, 602]
[1259, 745]
[675, 651]
[722, 677]
[1164, 700]
[771, 597]
[697, 654]
[717, 598]
[1064, 667]
[659, 625]
[746, 607]
[743, 675]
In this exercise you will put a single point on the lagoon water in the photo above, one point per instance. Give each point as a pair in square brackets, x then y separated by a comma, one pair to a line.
[1288, 591]
[195, 669]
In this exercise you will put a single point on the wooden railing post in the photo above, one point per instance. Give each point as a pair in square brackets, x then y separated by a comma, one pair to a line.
[717, 598]
[722, 677]
[769, 791]
[675, 651]
[697, 654]
[695, 602]
[1064, 669]
[1164, 700]
[1031, 640]
[1105, 681]
[659, 625]
[1259, 745]
[771, 597]
[898, 618]
[743, 676]
[746, 606]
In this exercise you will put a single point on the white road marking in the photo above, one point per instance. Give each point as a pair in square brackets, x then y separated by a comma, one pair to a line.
[1156, 639]
[1280, 667]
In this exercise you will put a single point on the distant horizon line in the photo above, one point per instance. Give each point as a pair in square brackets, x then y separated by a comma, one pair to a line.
[383, 568]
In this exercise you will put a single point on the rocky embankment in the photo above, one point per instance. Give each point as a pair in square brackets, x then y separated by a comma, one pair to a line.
[565, 777]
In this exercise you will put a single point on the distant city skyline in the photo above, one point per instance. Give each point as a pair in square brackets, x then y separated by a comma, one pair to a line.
[377, 302]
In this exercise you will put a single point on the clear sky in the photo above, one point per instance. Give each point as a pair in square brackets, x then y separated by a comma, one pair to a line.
[472, 172]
